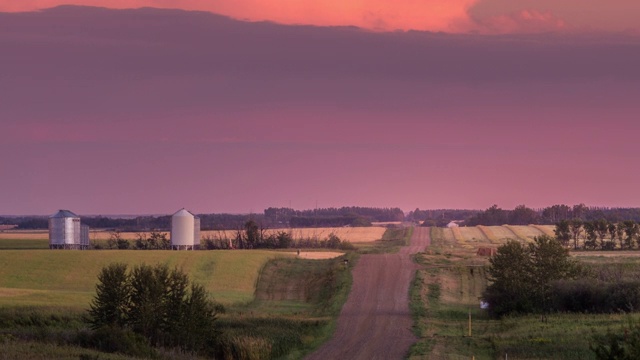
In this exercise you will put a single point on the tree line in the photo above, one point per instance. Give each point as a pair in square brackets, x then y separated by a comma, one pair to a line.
[250, 236]
[598, 234]
[271, 217]
[523, 215]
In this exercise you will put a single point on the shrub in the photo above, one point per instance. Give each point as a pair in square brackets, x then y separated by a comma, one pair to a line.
[159, 304]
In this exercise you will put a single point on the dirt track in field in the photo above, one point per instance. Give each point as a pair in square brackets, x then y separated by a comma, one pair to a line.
[375, 322]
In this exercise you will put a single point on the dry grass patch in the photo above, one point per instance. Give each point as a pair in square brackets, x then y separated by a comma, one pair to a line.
[319, 255]
[24, 235]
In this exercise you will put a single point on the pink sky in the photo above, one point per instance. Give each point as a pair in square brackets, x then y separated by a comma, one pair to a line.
[148, 111]
[457, 16]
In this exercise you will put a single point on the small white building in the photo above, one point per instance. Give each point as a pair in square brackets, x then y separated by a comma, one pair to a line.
[66, 231]
[185, 231]
[452, 224]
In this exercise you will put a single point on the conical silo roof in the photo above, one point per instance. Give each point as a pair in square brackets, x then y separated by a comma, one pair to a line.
[184, 212]
[63, 214]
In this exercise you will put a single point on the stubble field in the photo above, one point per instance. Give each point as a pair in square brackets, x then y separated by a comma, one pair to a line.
[350, 234]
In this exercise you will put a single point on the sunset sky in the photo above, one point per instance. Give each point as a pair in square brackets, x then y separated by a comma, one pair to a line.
[247, 104]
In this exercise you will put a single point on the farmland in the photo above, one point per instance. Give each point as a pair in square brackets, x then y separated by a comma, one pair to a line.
[472, 237]
[67, 278]
[38, 286]
[448, 288]
[38, 239]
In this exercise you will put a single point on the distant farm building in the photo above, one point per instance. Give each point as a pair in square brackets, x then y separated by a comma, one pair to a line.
[185, 231]
[486, 252]
[7, 227]
[452, 224]
[66, 231]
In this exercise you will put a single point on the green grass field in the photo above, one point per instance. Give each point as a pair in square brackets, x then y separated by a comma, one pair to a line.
[67, 278]
[23, 244]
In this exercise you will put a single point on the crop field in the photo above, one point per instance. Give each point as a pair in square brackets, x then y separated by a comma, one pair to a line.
[473, 237]
[526, 232]
[351, 234]
[67, 278]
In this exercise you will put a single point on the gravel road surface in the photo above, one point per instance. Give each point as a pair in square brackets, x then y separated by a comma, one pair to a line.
[375, 322]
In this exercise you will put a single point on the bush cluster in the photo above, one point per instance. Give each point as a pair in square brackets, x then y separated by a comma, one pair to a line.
[160, 305]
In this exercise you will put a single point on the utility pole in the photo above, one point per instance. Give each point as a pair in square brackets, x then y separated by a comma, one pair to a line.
[469, 322]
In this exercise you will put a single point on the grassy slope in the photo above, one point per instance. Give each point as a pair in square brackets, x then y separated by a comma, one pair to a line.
[67, 278]
[447, 289]
[280, 323]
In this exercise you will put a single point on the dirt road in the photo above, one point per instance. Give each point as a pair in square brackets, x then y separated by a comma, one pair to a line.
[375, 322]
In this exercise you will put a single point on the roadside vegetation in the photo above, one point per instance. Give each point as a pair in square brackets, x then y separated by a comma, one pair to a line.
[392, 240]
[561, 309]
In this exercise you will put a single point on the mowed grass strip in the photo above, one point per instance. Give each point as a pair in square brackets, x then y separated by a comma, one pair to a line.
[61, 277]
[31, 244]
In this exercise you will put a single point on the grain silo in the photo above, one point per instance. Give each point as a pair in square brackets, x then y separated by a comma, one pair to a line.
[185, 231]
[65, 231]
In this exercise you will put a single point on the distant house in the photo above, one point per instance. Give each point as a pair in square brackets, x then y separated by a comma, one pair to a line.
[452, 224]
[8, 227]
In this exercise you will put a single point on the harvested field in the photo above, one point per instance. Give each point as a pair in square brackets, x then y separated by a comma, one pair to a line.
[318, 255]
[473, 236]
[525, 232]
[24, 235]
[546, 229]
[448, 235]
[503, 233]
[488, 233]
[351, 234]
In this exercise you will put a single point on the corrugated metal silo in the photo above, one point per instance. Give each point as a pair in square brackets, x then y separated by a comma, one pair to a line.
[64, 230]
[84, 237]
[185, 229]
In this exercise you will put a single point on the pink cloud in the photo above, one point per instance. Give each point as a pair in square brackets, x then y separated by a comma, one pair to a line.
[379, 15]
[524, 21]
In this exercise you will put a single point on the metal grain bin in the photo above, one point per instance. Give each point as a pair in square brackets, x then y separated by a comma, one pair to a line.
[185, 231]
[64, 230]
[84, 237]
